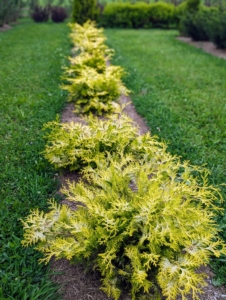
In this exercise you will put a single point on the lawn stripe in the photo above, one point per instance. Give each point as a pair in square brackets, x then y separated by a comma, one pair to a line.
[31, 57]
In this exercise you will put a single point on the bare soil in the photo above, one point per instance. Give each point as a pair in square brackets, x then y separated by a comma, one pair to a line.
[208, 47]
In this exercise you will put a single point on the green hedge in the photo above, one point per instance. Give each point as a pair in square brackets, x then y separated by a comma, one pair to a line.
[139, 15]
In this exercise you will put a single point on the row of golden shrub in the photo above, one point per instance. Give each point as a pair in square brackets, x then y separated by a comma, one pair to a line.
[144, 219]
[91, 85]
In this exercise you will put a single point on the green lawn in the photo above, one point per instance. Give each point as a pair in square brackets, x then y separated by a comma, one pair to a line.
[181, 92]
[31, 57]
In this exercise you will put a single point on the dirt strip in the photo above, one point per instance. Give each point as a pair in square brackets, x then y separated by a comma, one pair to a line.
[208, 47]
[76, 282]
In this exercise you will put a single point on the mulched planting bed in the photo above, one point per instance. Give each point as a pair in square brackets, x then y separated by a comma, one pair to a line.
[81, 284]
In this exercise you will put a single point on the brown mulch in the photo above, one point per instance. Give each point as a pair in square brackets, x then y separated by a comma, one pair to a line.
[208, 47]
[78, 284]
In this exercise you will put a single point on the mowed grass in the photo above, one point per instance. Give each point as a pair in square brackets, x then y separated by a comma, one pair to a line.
[181, 92]
[31, 57]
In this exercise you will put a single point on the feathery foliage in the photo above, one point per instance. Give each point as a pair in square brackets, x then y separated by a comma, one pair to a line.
[138, 223]
[95, 92]
[92, 86]
[76, 146]
[85, 59]
[88, 38]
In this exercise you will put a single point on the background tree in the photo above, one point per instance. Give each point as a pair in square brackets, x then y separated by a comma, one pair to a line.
[83, 10]
[10, 10]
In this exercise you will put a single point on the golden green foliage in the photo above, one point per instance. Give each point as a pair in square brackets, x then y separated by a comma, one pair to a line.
[140, 224]
[88, 38]
[95, 60]
[76, 146]
[91, 85]
[95, 92]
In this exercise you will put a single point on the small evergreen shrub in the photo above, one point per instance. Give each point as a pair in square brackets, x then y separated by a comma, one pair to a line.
[88, 30]
[95, 92]
[90, 49]
[40, 14]
[83, 10]
[196, 24]
[91, 86]
[143, 226]
[208, 23]
[96, 60]
[217, 27]
[77, 146]
[85, 59]
[88, 38]
[58, 14]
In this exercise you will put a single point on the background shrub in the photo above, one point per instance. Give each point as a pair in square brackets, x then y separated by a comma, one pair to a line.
[10, 10]
[192, 5]
[196, 24]
[58, 14]
[217, 27]
[138, 15]
[83, 10]
[206, 23]
[40, 14]
[161, 15]
[125, 15]
[179, 11]
[116, 15]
